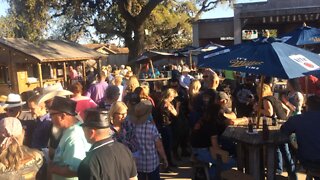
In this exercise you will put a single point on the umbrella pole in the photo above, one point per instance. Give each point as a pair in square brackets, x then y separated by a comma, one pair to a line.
[260, 101]
[140, 67]
[152, 69]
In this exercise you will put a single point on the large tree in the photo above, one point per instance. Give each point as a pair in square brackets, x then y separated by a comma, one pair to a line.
[28, 18]
[167, 20]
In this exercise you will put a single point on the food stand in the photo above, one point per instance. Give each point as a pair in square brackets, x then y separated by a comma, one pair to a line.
[25, 66]
[149, 57]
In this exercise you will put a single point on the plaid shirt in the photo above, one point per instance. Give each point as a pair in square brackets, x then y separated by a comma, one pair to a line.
[147, 135]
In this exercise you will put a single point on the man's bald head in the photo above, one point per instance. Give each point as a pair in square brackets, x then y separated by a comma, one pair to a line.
[210, 79]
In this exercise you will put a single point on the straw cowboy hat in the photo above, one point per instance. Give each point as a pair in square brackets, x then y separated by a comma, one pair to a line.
[3, 98]
[142, 112]
[185, 69]
[13, 100]
[50, 92]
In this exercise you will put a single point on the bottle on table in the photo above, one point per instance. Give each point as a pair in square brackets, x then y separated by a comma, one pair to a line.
[274, 121]
[250, 125]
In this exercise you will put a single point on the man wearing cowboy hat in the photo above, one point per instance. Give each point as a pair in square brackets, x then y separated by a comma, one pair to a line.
[150, 143]
[185, 78]
[13, 106]
[46, 96]
[72, 145]
[106, 158]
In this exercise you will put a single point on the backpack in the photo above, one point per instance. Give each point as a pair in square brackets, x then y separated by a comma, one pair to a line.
[279, 111]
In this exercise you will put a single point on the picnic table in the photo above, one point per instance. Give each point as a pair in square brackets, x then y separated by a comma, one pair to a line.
[254, 143]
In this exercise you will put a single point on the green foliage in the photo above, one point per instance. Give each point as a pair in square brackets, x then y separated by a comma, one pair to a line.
[29, 18]
[6, 27]
[167, 21]
[168, 26]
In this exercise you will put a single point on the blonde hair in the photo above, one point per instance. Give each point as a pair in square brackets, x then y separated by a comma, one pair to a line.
[11, 156]
[117, 106]
[266, 90]
[132, 83]
[117, 80]
[168, 93]
[194, 87]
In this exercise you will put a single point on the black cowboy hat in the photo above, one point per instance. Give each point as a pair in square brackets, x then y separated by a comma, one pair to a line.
[95, 119]
[64, 105]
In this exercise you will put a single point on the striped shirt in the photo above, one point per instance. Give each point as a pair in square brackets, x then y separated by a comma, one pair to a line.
[147, 135]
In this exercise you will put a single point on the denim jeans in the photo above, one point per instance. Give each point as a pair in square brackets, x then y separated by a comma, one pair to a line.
[166, 136]
[284, 152]
[154, 175]
[203, 154]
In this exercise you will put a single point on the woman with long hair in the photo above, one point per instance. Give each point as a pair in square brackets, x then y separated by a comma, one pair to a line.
[193, 92]
[272, 107]
[16, 160]
[167, 112]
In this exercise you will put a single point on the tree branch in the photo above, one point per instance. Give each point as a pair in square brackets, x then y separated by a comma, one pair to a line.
[124, 12]
[146, 10]
[104, 29]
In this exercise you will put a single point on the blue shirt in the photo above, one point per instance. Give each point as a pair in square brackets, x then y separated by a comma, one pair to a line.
[307, 129]
[71, 150]
[41, 132]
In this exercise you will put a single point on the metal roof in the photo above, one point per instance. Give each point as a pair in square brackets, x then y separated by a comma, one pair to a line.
[52, 50]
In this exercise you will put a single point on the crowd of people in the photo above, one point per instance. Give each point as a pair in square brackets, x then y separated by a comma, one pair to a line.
[116, 127]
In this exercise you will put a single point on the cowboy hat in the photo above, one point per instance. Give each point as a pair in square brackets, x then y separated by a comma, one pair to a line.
[142, 111]
[64, 105]
[95, 119]
[185, 69]
[50, 92]
[13, 100]
[3, 98]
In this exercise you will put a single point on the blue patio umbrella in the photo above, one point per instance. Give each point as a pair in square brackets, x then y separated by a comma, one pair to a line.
[268, 56]
[302, 36]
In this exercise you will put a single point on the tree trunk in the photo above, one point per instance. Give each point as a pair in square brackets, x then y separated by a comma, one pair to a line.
[136, 47]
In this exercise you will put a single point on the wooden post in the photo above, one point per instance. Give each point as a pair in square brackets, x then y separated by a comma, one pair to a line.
[190, 59]
[139, 71]
[260, 101]
[40, 74]
[65, 73]
[13, 86]
[99, 64]
[154, 76]
[84, 76]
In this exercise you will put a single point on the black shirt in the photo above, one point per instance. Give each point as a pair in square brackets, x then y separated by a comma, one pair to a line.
[204, 130]
[201, 137]
[107, 160]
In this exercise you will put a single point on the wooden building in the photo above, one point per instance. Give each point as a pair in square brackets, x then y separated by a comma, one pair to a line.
[252, 18]
[25, 66]
[114, 55]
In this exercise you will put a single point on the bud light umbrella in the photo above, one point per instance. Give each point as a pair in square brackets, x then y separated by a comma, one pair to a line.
[269, 57]
[302, 36]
